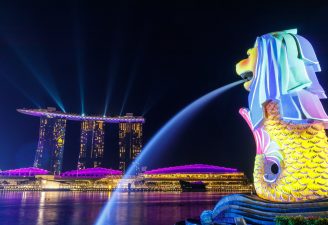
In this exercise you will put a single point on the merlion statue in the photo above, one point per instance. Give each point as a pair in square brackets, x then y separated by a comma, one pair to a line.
[288, 123]
[286, 117]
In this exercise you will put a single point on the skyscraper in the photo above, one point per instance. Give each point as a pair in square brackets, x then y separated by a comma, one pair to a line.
[49, 154]
[50, 150]
[91, 144]
[130, 143]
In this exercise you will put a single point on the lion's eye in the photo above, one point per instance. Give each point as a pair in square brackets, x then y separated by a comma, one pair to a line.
[271, 170]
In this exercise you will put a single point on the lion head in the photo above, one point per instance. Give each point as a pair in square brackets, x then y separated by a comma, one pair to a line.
[282, 67]
[246, 67]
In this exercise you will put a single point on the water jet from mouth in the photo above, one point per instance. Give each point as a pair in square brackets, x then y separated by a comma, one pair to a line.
[162, 138]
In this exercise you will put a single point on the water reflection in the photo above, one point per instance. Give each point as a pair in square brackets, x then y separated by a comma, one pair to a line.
[41, 209]
[82, 208]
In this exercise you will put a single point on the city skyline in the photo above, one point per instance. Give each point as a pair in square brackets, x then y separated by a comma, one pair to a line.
[50, 149]
[151, 59]
[163, 112]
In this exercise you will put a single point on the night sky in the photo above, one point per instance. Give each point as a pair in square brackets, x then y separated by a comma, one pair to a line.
[150, 59]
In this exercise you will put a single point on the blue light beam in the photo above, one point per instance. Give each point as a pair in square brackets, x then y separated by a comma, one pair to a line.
[111, 79]
[47, 85]
[162, 137]
[22, 91]
[129, 85]
[79, 45]
[139, 54]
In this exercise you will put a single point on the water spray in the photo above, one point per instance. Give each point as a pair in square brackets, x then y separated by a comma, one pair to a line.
[169, 130]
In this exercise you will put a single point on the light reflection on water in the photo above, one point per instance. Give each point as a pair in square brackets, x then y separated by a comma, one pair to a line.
[82, 208]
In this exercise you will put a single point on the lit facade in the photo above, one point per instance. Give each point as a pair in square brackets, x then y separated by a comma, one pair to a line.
[24, 172]
[76, 117]
[224, 183]
[130, 143]
[91, 173]
[50, 150]
[215, 178]
[91, 144]
[49, 154]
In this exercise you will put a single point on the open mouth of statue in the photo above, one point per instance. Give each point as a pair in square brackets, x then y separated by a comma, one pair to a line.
[247, 76]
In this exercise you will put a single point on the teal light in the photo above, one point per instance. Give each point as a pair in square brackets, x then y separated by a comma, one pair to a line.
[40, 73]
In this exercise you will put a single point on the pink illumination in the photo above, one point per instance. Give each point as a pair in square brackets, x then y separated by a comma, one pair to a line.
[261, 137]
[192, 169]
[24, 172]
[97, 172]
[76, 117]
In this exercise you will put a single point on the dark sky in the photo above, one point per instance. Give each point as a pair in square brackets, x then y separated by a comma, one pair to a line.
[151, 59]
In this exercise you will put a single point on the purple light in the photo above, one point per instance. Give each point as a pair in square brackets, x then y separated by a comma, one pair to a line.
[97, 172]
[192, 169]
[24, 172]
[76, 117]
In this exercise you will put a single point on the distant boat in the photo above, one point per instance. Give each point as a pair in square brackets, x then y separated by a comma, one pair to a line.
[197, 186]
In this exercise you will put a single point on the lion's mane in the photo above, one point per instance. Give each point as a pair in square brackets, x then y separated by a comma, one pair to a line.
[286, 72]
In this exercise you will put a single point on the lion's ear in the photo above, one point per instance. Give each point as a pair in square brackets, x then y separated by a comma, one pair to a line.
[291, 31]
[307, 53]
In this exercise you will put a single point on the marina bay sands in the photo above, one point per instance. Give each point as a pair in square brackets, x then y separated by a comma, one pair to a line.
[163, 113]
[50, 148]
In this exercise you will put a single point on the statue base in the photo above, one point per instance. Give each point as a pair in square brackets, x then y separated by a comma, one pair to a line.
[255, 210]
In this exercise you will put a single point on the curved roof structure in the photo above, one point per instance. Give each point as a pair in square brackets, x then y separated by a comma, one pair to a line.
[57, 114]
[97, 172]
[24, 172]
[192, 169]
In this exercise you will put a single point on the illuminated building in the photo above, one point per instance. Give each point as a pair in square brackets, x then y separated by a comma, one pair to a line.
[24, 172]
[130, 143]
[52, 127]
[91, 144]
[35, 179]
[50, 150]
[215, 178]
[91, 173]
[51, 112]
